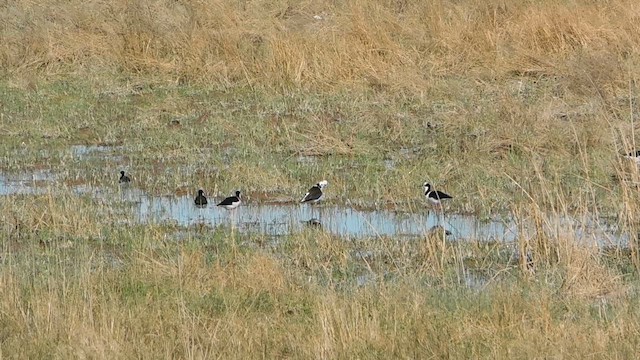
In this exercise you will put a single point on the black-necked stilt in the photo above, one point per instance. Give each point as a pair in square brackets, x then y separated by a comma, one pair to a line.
[231, 202]
[435, 197]
[315, 193]
[201, 200]
[124, 178]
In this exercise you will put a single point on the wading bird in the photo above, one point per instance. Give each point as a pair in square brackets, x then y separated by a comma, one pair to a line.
[201, 200]
[231, 202]
[315, 193]
[434, 197]
[124, 179]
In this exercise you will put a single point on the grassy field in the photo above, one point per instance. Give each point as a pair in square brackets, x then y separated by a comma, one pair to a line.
[79, 284]
[517, 109]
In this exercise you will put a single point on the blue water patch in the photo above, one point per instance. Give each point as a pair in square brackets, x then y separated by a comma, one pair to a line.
[283, 219]
[343, 221]
[35, 182]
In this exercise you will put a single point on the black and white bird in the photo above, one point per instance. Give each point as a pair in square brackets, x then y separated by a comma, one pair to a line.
[315, 193]
[435, 197]
[634, 155]
[231, 202]
[124, 178]
[201, 200]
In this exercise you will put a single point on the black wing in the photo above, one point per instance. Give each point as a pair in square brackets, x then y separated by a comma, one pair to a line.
[313, 194]
[229, 201]
[439, 195]
[201, 200]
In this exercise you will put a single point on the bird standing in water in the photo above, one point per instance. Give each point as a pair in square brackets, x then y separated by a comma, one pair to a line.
[231, 202]
[124, 179]
[315, 193]
[201, 200]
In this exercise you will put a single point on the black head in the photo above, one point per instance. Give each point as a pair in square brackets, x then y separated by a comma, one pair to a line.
[122, 173]
[238, 194]
[200, 192]
[426, 186]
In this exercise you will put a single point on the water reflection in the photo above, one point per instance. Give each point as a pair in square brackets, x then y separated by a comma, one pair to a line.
[283, 219]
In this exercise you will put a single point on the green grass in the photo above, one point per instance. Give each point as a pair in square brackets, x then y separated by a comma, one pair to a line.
[280, 144]
[78, 283]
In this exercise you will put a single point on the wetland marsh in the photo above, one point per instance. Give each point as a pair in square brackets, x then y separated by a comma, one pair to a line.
[521, 112]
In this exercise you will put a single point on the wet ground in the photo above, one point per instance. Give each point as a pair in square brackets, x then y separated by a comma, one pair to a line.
[283, 219]
[270, 219]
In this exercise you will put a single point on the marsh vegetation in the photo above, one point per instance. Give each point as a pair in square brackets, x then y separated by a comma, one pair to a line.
[519, 111]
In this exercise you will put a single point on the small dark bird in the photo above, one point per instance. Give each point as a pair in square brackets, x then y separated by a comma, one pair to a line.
[201, 200]
[124, 178]
[315, 193]
[434, 196]
[231, 202]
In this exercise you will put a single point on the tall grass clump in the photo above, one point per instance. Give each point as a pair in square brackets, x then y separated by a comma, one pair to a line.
[394, 45]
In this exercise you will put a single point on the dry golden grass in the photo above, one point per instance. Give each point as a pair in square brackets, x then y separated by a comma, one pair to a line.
[209, 298]
[76, 283]
[390, 45]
